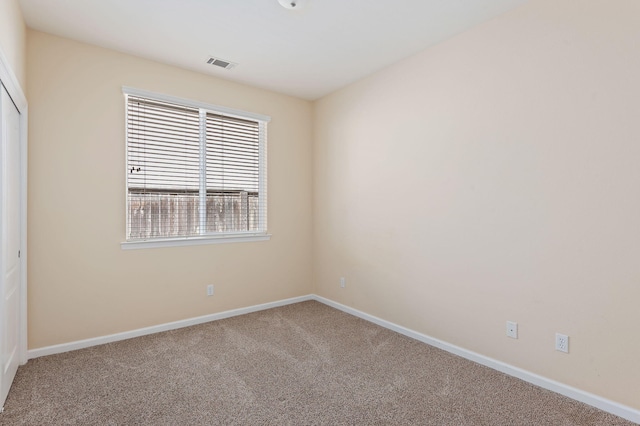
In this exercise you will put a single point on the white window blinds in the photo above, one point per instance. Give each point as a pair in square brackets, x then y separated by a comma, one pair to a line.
[193, 171]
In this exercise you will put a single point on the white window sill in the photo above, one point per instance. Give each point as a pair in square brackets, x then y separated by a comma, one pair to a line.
[193, 241]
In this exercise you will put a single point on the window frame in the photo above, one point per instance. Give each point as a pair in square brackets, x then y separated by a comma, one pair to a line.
[202, 239]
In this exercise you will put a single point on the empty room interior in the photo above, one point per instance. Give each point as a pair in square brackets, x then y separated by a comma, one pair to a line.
[459, 179]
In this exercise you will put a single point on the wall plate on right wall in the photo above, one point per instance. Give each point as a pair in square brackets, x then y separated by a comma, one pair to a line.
[562, 343]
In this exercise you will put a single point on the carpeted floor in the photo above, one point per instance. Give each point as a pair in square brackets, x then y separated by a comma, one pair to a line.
[302, 364]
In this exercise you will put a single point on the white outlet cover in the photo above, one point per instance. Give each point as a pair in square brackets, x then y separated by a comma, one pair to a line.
[562, 343]
[342, 282]
[512, 329]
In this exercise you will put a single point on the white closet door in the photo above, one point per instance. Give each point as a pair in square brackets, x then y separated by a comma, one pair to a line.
[10, 241]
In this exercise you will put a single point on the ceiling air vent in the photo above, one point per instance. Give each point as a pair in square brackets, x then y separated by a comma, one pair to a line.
[220, 63]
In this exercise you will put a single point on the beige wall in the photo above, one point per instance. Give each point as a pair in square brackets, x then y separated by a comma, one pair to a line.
[495, 177]
[81, 284]
[13, 38]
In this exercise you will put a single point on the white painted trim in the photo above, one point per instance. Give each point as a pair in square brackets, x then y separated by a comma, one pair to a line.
[24, 253]
[11, 83]
[262, 176]
[81, 344]
[193, 241]
[604, 404]
[195, 104]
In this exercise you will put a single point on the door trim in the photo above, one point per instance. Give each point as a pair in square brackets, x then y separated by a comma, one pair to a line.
[11, 83]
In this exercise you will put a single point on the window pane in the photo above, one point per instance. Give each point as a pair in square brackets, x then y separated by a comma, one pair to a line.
[163, 157]
[233, 173]
[158, 215]
[232, 211]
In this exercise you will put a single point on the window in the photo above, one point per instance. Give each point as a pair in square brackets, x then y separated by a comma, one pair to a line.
[195, 172]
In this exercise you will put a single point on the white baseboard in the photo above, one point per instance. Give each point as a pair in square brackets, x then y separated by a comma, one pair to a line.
[603, 404]
[81, 344]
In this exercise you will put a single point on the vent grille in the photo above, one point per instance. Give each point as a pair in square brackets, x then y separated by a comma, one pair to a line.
[220, 63]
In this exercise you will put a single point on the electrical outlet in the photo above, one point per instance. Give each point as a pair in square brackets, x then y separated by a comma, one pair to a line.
[210, 290]
[562, 343]
[343, 282]
[512, 329]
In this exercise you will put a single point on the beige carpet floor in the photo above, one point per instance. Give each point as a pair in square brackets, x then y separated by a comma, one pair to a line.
[302, 364]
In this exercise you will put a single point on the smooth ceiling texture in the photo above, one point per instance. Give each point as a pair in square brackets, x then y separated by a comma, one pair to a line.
[306, 53]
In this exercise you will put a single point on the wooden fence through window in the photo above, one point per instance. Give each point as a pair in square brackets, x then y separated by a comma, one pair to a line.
[165, 215]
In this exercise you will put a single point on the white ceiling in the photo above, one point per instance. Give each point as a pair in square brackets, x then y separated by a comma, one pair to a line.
[306, 53]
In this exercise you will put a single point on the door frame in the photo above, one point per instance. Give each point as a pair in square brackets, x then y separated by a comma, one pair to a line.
[11, 83]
